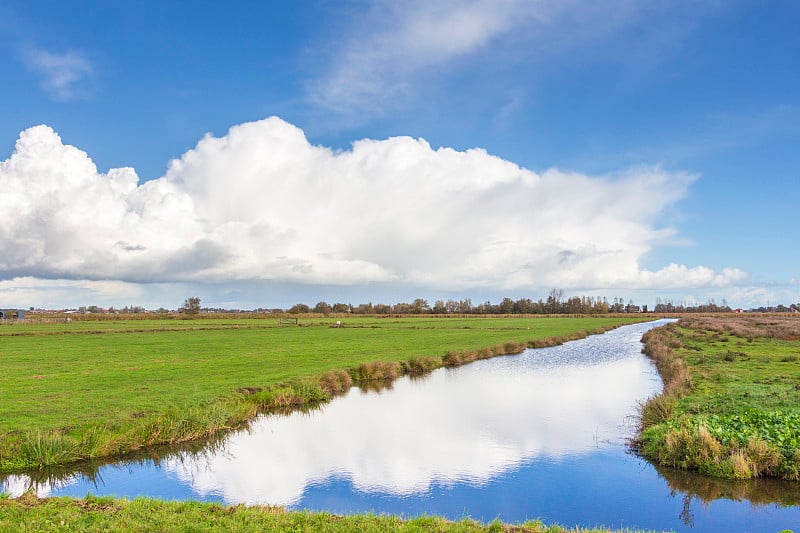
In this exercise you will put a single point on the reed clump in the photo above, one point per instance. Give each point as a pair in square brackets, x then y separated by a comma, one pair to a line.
[740, 464]
[514, 348]
[687, 448]
[335, 382]
[761, 457]
[544, 343]
[378, 371]
[453, 359]
[287, 397]
[172, 426]
[419, 366]
[657, 409]
[49, 448]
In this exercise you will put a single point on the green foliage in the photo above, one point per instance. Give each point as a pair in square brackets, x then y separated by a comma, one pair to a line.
[777, 428]
[299, 308]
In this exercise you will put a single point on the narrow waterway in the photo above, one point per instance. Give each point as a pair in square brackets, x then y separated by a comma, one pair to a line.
[539, 435]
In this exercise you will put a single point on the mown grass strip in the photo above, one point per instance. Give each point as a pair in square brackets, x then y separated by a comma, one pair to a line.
[29, 513]
[66, 398]
[731, 401]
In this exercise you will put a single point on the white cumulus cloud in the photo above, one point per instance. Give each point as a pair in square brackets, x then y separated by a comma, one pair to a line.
[262, 203]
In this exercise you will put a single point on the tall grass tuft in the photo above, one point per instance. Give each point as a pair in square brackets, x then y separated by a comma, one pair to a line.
[656, 410]
[761, 457]
[49, 448]
[453, 359]
[94, 442]
[418, 366]
[511, 348]
[736, 466]
[544, 343]
[335, 382]
[687, 448]
[379, 371]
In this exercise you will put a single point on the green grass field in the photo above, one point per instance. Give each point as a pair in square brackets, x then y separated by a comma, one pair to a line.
[79, 390]
[28, 514]
[732, 401]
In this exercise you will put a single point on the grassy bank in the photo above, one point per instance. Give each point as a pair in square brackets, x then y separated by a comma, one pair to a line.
[82, 390]
[28, 513]
[731, 402]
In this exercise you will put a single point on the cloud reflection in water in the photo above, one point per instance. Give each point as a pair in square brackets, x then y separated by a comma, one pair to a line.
[15, 485]
[464, 425]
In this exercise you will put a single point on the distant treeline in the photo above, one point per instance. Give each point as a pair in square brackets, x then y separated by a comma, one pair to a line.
[554, 304]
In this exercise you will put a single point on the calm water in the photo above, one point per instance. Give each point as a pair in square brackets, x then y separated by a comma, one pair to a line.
[538, 435]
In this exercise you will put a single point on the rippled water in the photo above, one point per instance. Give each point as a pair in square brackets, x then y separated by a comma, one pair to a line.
[538, 435]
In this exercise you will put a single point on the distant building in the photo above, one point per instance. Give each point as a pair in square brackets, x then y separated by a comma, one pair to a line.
[8, 314]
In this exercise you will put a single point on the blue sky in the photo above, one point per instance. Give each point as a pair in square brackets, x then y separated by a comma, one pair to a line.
[634, 149]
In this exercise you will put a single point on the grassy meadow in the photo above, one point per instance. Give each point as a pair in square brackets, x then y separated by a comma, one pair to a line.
[731, 404]
[89, 389]
[28, 513]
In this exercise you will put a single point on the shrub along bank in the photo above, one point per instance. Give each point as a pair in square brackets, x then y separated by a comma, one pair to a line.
[731, 401]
